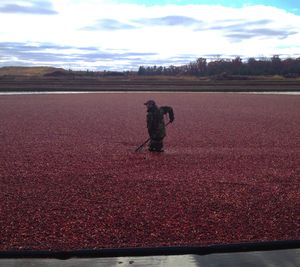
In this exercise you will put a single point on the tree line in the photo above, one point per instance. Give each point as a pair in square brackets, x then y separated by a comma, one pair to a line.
[289, 67]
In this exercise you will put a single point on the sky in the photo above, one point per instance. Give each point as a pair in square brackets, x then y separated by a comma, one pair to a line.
[123, 35]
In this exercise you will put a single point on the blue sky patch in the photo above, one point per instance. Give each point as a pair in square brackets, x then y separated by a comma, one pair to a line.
[288, 5]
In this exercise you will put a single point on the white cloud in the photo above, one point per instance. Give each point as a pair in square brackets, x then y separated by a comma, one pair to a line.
[184, 30]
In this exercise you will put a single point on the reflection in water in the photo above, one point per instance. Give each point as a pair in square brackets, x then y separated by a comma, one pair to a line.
[93, 262]
[158, 261]
[277, 258]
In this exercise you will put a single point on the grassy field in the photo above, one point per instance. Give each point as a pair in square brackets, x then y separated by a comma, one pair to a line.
[51, 79]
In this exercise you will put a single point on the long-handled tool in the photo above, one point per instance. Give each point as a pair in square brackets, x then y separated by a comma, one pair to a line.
[142, 145]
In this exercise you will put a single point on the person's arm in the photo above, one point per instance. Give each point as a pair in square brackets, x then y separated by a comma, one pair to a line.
[169, 111]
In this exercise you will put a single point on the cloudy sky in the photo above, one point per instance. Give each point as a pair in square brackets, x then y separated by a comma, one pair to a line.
[123, 35]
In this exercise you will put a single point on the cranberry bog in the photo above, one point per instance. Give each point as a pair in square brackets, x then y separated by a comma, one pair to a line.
[70, 177]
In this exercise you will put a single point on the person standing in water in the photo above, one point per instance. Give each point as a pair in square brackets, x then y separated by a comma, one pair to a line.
[156, 124]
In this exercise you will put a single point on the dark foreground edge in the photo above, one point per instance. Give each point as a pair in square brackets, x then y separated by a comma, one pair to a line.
[152, 251]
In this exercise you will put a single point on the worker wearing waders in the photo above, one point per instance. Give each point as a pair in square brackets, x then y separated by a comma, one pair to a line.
[156, 124]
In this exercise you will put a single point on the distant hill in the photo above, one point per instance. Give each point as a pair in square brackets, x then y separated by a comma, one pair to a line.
[29, 71]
